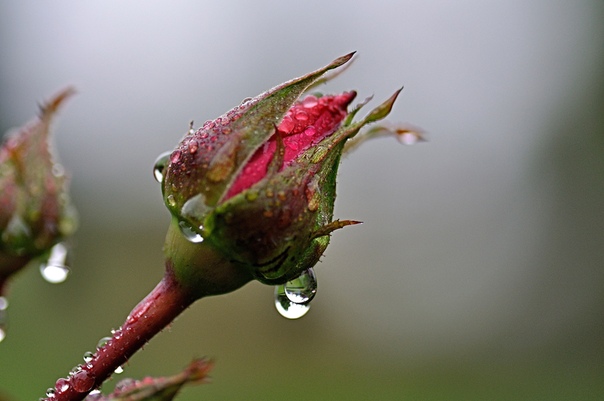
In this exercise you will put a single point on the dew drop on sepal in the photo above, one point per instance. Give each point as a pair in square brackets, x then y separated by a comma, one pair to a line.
[303, 288]
[160, 165]
[188, 232]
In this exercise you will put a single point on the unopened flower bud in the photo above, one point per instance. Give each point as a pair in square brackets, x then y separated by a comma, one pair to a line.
[258, 184]
[35, 211]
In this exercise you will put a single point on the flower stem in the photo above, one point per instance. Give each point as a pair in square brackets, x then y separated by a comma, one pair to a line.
[167, 300]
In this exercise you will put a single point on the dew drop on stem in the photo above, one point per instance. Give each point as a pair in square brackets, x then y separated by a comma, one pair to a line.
[102, 342]
[83, 381]
[88, 356]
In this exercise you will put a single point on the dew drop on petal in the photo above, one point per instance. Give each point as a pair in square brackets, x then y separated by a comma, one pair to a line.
[50, 393]
[55, 269]
[310, 131]
[193, 147]
[287, 125]
[303, 288]
[175, 156]
[301, 115]
[287, 308]
[310, 101]
[118, 370]
[188, 232]
[160, 165]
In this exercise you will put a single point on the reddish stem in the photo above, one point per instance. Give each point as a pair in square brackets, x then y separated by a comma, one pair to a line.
[167, 300]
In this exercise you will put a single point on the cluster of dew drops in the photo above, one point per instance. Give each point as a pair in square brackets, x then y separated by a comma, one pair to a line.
[54, 270]
[80, 379]
[292, 299]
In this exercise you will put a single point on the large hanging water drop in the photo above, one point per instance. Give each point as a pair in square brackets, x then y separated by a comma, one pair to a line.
[286, 307]
[303, 288]
[55, 269]
[160, 165]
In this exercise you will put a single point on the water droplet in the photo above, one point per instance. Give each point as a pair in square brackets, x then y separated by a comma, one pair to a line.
[102, 342]
[409, 138]
[82, 381]
[94, 395]
[303, 288]
[75, 370]
[310, 131]
[88, 356]
[62, 385]
[310, 102]
[287, 308]
[189, 233]
[160, 165]
[2, 334]
[118, 370]
[55, 269]
[50, 393]
[175, 156]
[301, 115]
[58, 170]
[194, 208]
[192, 147]
[287, 125]
[171, 200]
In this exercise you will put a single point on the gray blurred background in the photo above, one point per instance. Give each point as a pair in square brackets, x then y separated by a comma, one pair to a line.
[478, 274]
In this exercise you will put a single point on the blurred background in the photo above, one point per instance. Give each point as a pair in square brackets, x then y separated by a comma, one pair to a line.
[478, 274]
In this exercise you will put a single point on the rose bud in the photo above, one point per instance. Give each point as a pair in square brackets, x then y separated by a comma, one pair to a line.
[255, 188]
[35, 212]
